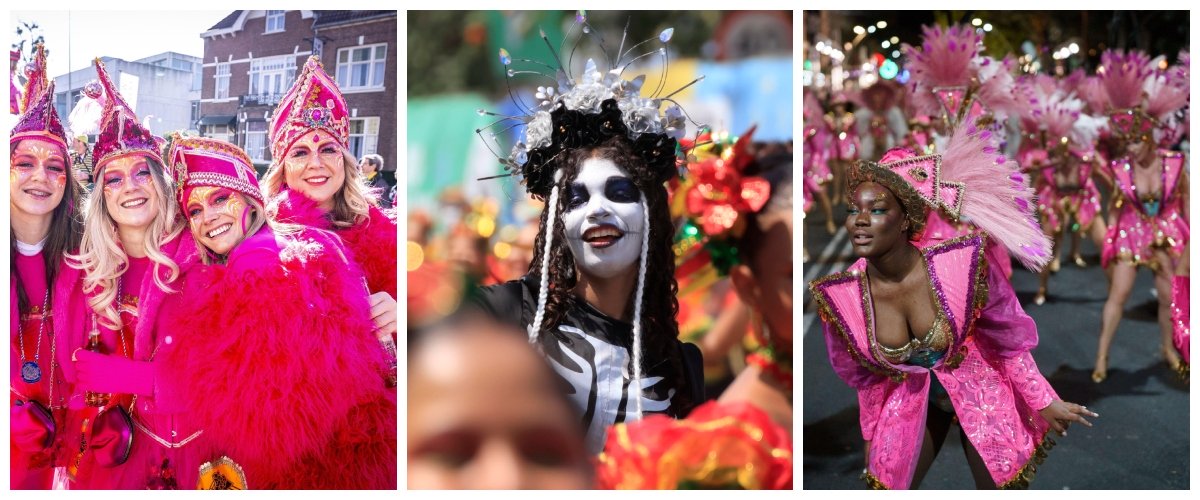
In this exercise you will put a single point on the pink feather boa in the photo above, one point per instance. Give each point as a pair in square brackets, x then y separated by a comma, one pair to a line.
[372, 243]
[287, 374]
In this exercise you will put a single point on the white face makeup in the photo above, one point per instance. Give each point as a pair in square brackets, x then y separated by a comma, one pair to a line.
[604, 219]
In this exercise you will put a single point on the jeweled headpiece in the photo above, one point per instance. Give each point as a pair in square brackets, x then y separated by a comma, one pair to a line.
[201, 161]
[120, 132]
[39, 119]
[585, 111]
[37, 82]
[961, 182]
[313, 103]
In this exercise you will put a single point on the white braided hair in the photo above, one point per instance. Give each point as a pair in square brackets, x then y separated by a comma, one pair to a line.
[544, 284]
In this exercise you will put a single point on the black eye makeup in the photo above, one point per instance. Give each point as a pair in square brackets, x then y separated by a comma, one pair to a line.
[577, 195]
[621, 190]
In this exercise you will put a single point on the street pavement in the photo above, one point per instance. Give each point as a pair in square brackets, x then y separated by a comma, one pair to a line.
[1140, 440]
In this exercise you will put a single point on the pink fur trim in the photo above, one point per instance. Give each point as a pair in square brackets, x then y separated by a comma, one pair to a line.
[373, 246]
[281, 355]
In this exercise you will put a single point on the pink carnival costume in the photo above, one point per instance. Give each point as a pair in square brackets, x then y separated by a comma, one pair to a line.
[290, 382]
[37, 388]
[140, 439]
[1180, 322]
[817, 152]
[1142, 101]
[981, 356]
[315, 103]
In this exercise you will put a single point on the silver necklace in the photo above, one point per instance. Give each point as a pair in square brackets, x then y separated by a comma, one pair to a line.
[31, 372]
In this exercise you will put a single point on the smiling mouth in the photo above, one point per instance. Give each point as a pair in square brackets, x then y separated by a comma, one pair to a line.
[602, 236]
[219, 231]
[37, 193]
[135, 203]
[317, 180]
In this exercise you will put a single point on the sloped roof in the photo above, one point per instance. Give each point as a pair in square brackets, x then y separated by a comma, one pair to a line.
[227, 22]
[327, 18]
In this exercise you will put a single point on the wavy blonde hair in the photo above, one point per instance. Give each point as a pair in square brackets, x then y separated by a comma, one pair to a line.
[101, 257]
[351, 203]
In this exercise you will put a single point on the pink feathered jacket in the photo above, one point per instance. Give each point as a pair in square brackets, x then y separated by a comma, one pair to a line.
[371, 243]
[988, 372]
[284, 371]
[162, 429]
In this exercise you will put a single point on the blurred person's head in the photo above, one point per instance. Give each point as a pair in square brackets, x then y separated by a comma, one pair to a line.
[371, 163]
[763, 279]
[485, 412]
[419, 226]
[467, 251]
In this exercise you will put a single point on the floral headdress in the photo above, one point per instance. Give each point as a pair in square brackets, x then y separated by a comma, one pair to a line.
[713, 200]
[582, 112]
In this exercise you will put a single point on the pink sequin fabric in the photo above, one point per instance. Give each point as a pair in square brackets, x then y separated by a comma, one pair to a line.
[1181, 316]
[1137, 233]
[1057, 205]
[988, 372]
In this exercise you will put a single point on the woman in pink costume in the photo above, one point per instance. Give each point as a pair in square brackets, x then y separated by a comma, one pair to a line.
[271, 324]
[817, 155]
[1148, 222]
[312, 165]
[1058, 152]
[1180, 315]
[44, 203]
[927, 333]
[134, 258]
[843, 141]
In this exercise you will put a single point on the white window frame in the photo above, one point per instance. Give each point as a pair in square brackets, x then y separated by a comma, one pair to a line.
[367, 139]
[277, 16]
[256, 141]
[222, 80]
[211, 131]
[376, 67]
[271, 76]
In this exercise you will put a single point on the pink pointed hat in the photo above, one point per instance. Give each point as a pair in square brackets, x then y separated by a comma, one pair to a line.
[121, 134]
[36, 73]
[39, 119]
[313, 103]
[202, 161]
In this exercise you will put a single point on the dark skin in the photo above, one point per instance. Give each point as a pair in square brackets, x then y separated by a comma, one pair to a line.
[904, 310]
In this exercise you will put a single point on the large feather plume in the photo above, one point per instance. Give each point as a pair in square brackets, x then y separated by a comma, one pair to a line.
[996, 84]
[1123, 75]
[1004, 210]
[946, 58]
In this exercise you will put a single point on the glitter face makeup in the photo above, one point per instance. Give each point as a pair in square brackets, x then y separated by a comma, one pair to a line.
[316, 167]
[37, 177]
[217, 217]
[130, 195]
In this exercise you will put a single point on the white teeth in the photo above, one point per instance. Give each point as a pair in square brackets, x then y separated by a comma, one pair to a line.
[604, 232]
[36, 192]
[219, 231]
[134, 203]
[318, 180]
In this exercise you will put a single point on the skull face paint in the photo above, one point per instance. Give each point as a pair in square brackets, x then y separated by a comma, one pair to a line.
[604, 219]
[218, 217]
[315, 166]
[38, 177]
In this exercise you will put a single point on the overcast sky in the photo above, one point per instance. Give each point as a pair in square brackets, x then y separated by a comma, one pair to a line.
[75, 37]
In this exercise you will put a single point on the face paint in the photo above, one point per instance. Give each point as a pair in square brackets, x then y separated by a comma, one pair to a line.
[218, 218]
[37, 177]
[315, 166]
[130, 195]
[604, 219]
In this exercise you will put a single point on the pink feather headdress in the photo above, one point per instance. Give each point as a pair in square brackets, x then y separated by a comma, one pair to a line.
[944, 62]
[962, 182]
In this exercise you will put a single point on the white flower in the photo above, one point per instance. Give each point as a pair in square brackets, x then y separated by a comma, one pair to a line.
[676, 126]
[537, 133]
[586, 97]
[641, 116]
[545, 96]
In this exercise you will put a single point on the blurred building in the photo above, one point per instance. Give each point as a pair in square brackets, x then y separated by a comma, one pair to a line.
[163, 89]
[251, 58]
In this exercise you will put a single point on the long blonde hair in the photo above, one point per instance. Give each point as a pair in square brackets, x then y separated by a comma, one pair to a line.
[101, 257]
[351, 202]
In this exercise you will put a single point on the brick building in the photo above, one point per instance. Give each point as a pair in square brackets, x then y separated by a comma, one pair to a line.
[251, 58]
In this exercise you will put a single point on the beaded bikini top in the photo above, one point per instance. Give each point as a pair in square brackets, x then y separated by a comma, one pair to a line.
[924, 351]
